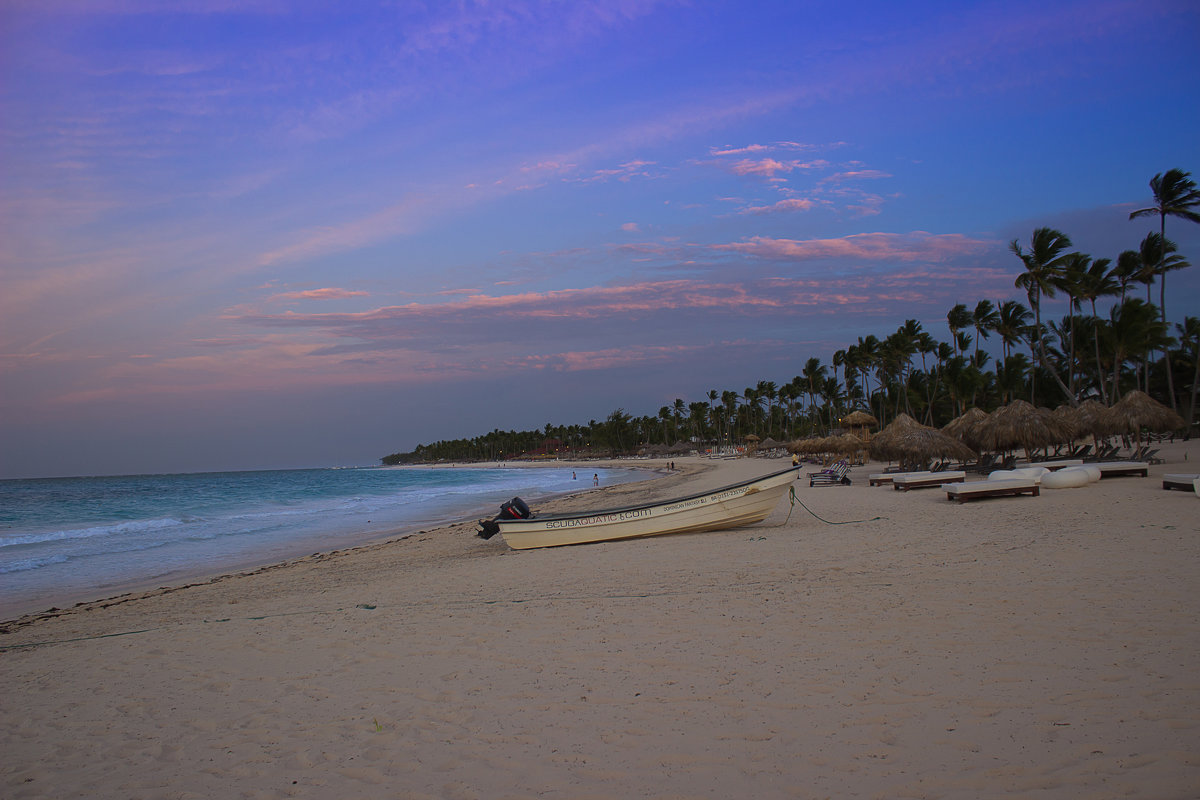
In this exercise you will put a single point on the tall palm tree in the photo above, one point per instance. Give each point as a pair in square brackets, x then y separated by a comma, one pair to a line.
[985, 318]
[1134, 330]
[1097, 282]
[1069, 280]
[1175, 195]
[1189, 336]
[767, 393]
[1014, 319]
[1157, 256]
[814, 375]
[1042, 263]
[1129, 263]
[957, 319]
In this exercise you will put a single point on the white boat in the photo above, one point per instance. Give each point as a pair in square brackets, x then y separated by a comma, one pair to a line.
[728, 507]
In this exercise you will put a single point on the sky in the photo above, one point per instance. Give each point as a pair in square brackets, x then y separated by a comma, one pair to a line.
[249, 234]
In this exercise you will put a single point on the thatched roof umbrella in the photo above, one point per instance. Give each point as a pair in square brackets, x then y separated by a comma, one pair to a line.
[1020, 424]
[804, 446]
[857, 419]
[1095, 418]
[966, 426]
[1071, 422]
[1137, 410]
[881, 446]
[925, 443]
[770, 444]
[847, 444]
[859, 423]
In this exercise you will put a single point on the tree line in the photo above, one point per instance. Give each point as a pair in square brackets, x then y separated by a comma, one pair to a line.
[1084, 353]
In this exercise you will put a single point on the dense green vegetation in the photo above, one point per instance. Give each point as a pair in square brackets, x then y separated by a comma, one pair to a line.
[1084, 353]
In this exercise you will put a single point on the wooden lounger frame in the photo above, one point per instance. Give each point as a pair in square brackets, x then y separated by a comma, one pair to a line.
[932, 479]
[1179, 481]
[881, 478]
[981, 489]
[1118, 469]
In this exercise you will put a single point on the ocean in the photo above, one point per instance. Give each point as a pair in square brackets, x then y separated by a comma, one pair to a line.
[68, 539]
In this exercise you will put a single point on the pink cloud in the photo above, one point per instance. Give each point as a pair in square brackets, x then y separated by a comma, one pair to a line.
[915, 246]
[860, 174]
[321, 294]
[766, 166]
[790, 204]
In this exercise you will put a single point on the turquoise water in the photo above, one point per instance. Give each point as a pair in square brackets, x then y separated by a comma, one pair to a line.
[66, 539]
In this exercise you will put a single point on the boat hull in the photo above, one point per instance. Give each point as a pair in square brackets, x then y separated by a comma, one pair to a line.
[727, 507]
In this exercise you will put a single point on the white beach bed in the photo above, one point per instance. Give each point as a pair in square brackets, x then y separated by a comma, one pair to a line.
[1117, 469]
[902, 483]
[976, 490]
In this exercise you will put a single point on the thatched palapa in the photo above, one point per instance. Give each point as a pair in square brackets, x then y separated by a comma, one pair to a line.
[1020, 424]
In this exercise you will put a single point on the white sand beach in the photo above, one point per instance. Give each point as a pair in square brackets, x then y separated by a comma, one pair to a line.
[1034, 647]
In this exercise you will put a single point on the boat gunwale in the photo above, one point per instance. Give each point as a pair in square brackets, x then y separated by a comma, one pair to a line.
[624, 509]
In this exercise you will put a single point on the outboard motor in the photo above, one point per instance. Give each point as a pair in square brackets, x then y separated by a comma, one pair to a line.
[513, 509]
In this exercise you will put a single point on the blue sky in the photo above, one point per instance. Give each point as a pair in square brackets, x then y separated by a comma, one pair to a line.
[270, 234]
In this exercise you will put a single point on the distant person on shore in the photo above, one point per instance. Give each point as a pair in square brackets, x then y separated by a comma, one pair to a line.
[596, 479]
[572, 474]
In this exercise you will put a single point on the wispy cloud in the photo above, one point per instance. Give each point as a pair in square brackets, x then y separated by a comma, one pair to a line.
[915, 246]
[320, 294]
[787, 205]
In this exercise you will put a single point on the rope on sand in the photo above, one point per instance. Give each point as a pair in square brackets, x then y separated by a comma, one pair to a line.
[796, 500]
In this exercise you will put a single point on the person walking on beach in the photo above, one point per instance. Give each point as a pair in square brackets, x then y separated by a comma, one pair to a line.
[596, 479]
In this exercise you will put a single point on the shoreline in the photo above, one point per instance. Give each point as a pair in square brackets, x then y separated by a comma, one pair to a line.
[19, 613]
[885, 644]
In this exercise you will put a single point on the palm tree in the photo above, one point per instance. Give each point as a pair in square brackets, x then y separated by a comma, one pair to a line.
[1175, 195]
[1189, 336]
[1133, 331]
[1043, 262]
[1129, 263]
[767, 392]
[1069, 281]
[664, 414]
[814, 374]
[957, 319]
[1014, 319]
[985, 318]
[1097, 282]
[1157, 256]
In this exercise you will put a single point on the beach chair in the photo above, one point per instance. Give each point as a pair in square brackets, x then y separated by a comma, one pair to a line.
[885, 478]
[1119, 469]
[902, 483]
[985, 464]
[1184, 483]
[834, 475]
[977, 490]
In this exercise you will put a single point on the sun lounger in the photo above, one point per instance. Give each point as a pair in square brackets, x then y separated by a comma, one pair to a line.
[881, 478]
[830, 477]
[1181, 482]
[1117, 469]
[902, 483]
[962, 492]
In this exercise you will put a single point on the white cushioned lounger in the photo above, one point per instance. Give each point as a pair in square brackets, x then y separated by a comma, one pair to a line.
[880, 478]
[1116, 469]
[902, 483]
[1179, 481]
[962, 492]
